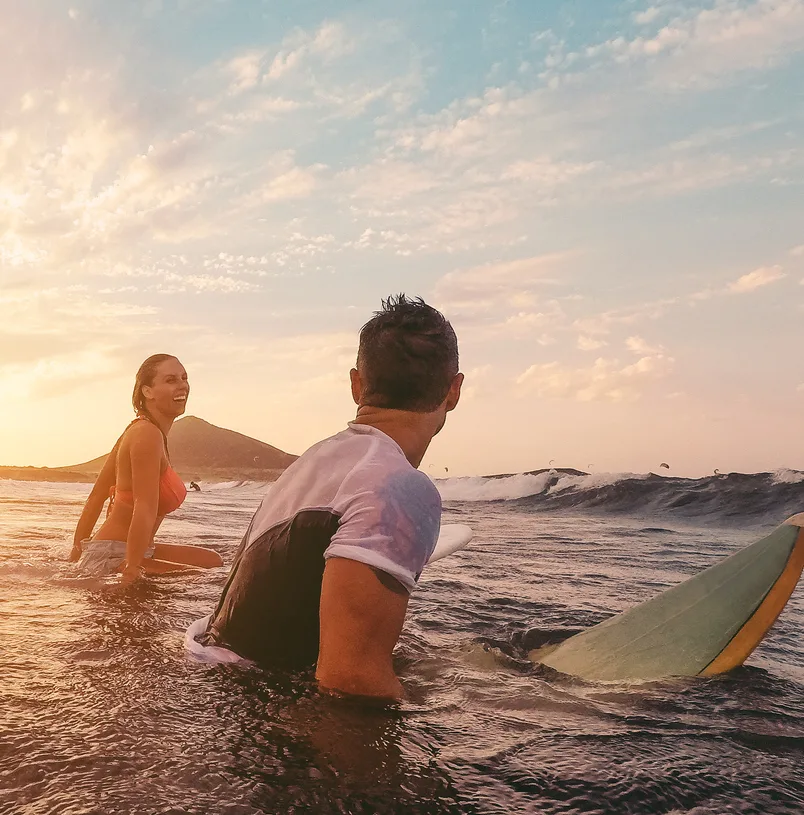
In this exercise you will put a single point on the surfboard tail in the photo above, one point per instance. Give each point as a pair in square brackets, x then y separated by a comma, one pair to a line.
[761, 621]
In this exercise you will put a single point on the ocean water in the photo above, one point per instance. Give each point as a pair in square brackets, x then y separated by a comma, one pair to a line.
[101, 711]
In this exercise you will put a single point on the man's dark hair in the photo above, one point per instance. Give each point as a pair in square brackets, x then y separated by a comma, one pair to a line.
[407, 357]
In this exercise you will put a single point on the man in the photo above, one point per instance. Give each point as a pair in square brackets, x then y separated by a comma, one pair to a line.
[325, 570]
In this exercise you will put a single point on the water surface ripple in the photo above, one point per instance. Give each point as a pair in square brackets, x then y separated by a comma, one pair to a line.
[101, 711]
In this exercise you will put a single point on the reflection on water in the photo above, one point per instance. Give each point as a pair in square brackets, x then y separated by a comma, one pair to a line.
[101, 712]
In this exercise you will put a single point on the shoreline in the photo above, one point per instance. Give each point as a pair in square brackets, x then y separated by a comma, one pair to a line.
[67, 476]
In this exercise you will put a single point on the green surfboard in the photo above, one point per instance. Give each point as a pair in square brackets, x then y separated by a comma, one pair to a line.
[706, 625]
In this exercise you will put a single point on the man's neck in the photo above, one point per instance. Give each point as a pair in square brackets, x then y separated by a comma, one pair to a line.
[413, 432]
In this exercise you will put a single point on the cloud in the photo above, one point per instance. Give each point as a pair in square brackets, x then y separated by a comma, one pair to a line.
[718, 135]
[321, 71]
[763, 276]
[57, 374]
[606, 380]
[647, 16]
[590, 343]
[477, 382]
[295, 183]
[671, 175]
[711, 45]
[389, 180]
[328, 42]
[548, 172]
[797, 251]
[324, 351]
[639, 346]
[173, 283]
[507, 121]
[256, 67]
[530, 320]
[100, 172]
[630, 315]
[245, 70]
[504, 283]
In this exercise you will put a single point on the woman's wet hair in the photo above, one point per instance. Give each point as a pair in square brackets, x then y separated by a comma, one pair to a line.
[407, 357]
[145, 376]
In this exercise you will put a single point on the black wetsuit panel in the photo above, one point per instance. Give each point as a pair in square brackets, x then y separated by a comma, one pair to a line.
[268, 611]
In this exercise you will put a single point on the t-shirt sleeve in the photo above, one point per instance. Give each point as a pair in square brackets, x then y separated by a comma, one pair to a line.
[392, 526]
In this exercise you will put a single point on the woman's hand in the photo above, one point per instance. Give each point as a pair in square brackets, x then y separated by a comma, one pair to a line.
[76, 552]
[131, 574]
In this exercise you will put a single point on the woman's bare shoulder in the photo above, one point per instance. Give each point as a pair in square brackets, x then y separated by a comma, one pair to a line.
[143, 433]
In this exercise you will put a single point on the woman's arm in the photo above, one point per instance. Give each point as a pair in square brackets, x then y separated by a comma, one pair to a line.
[146, 463]
[94, 503]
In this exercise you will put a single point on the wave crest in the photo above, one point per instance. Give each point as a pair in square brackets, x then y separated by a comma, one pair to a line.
[724, 496]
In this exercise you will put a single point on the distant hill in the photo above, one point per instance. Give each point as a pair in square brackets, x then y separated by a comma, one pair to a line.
[198, 450]
[45, 474]
[198, 447]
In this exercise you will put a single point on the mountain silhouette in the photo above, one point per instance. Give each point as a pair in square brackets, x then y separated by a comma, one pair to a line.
[198, 450]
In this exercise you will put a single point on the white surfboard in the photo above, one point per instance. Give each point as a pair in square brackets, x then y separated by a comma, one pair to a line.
[452, 538]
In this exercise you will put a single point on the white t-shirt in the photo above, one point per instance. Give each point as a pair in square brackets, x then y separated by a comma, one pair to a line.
[388, 512]
[353, 495]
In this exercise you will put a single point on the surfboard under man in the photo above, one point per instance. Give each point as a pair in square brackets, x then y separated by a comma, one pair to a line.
[326, 568]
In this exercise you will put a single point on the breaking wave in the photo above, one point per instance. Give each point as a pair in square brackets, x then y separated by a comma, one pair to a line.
[725, 496]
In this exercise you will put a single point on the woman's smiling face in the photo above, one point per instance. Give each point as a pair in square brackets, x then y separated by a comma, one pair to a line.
[169, 390]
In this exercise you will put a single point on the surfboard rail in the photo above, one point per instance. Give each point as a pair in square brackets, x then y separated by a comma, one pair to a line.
[757, 626]
[705, 625]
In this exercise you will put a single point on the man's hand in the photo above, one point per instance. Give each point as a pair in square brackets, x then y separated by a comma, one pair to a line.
[362, 613]
[76, 552]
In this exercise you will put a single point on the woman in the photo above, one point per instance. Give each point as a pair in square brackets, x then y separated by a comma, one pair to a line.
[141, 485]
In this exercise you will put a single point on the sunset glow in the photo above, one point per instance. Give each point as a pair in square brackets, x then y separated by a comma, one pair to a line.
[609, 208]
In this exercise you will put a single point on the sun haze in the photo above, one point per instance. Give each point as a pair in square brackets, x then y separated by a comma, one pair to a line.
[608, 207]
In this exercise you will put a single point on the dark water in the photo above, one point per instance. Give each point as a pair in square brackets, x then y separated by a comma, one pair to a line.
[101, 711]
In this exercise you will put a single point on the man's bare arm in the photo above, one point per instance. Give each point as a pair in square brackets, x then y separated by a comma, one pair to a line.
[362, 613]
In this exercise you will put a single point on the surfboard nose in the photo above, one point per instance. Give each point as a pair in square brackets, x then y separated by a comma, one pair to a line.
[795, 520]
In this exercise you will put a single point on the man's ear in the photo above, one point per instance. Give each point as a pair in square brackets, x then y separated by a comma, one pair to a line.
[454, 393]
[357, 385]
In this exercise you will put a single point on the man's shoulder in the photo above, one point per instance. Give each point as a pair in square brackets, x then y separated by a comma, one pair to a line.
[399, 484]
[411, 479]
[355, 447]
[338, 439]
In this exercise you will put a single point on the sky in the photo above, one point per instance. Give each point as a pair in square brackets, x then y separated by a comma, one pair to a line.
[604, 197]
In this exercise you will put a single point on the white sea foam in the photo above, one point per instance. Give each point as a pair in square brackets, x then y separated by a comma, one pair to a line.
[522, 485]
[225, 485]
[476, 488]
[785, 476]
[593, 481]
[239, 486]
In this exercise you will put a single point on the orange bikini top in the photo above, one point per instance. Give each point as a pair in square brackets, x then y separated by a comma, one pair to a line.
[172, 493]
